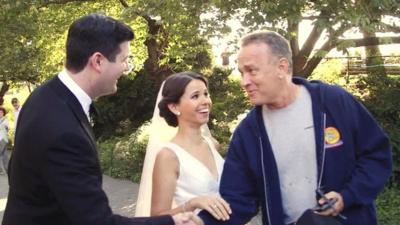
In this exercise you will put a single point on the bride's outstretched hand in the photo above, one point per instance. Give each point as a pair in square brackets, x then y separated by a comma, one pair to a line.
[215, 205]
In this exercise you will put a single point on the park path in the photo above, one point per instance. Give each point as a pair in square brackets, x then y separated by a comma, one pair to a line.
[122, 195]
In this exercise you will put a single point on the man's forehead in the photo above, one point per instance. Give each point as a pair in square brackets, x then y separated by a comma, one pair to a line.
[248, 55]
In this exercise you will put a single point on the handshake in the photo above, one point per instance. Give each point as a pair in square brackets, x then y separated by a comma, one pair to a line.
[187, 218]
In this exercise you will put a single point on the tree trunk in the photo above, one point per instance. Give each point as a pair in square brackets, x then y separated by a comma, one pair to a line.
[156, 43]
[301, 57]
[373, 61]
[3, 91]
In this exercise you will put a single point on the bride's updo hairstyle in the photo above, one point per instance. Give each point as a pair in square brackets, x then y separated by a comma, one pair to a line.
[174, 88]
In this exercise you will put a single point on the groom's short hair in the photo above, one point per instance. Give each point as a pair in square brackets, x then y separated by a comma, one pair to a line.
[94, 33]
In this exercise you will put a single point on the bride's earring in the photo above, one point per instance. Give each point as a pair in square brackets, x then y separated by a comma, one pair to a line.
[178, 113]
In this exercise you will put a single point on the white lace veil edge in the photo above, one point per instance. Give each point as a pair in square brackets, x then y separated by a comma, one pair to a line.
[159, 133]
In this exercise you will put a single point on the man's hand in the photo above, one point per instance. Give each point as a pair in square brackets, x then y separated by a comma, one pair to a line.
[187, 218]
[336, 208]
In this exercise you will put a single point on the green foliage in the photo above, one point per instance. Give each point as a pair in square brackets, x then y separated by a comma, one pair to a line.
[384, 104]
[329, 20]
[388, 203]
[229, 102]
[380, 95]
[19, 55]
[182, 45]
[328, 71]
[123, 157]
[195, 58]
[54, 21]
[128, 108]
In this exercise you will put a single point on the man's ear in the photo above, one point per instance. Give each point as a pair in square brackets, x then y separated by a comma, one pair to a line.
[96, 60]
[284, 65]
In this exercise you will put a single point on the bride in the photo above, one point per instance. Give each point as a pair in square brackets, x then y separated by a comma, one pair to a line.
[182, 167]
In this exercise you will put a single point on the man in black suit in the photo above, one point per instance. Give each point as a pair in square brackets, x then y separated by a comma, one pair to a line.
[55, 176]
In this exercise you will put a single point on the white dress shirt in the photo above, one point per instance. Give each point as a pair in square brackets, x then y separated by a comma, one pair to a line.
[80, 94]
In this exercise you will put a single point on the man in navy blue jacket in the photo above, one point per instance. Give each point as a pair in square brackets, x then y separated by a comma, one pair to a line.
[301, 137]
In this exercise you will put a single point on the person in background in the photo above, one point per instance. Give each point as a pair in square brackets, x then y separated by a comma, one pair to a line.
[301, 137]
[54, 173]
[4, 127]
[17, 109]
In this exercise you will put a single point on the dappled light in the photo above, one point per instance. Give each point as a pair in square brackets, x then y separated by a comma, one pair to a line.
[351, 44]
[3, 203]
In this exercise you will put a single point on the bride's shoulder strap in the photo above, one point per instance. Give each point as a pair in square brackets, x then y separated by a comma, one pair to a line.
[212, 142]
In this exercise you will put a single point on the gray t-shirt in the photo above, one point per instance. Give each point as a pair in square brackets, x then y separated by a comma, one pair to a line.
[291, 134]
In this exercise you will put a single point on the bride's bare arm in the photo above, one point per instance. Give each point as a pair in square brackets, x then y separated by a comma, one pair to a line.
[165, 175]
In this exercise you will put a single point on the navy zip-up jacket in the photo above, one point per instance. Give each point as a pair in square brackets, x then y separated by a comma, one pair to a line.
[353, 158]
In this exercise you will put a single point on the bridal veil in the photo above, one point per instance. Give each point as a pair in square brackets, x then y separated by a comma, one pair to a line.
[159, 133]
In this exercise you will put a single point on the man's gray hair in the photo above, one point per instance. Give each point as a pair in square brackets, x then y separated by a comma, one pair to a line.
[278, 45]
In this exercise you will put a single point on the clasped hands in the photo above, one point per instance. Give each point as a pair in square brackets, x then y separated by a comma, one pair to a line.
[187, 218]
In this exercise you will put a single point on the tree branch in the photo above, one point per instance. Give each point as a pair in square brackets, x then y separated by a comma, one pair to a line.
[372, 41]
[315, 17]
[331, 43]
[316, 59]
[387, 27]
[60, 2]
[326, 47]
[124, 3]
[293, 27]
[313, 36]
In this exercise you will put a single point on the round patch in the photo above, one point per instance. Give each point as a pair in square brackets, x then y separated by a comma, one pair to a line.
[332, 135]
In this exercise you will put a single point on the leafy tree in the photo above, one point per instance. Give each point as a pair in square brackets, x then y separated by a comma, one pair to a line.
[229, 101]
[167, 41]
[330, 17]
[173, 39]
[19, 55]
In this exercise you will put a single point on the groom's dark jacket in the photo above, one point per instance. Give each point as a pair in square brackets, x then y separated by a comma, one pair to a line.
[54, 175]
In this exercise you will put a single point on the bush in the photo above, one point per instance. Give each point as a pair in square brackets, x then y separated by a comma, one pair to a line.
[380, 95]
[122, 157]
[388, 203]
[229, 102]
[329, 71]
[128, 109]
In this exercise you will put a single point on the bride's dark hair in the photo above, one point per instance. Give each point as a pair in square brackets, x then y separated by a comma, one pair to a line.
[174, 88]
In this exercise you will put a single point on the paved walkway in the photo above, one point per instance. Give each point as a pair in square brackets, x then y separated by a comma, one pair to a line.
[122, 195]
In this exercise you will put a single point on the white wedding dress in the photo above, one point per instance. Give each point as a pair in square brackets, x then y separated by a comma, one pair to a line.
[195, 179]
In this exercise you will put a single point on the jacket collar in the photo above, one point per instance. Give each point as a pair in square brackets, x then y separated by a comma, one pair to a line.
[72, 102]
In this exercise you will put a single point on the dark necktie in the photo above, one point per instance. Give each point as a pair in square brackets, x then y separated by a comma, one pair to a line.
[93, 113]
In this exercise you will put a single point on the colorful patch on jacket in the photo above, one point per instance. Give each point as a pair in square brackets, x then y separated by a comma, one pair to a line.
[332, 137]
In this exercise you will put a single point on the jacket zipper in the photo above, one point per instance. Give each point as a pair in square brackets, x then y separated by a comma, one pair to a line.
[264, 181]
[323, 151]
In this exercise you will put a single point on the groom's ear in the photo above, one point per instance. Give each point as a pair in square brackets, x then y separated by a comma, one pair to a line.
[173, 108]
